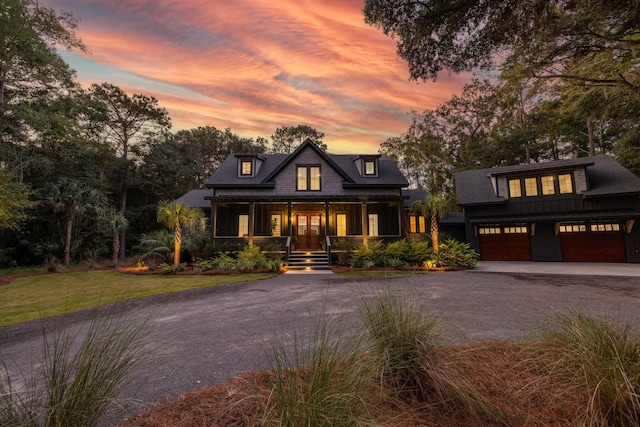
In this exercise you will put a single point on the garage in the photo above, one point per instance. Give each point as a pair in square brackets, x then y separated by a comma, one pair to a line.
[504, 243]
[594, 242]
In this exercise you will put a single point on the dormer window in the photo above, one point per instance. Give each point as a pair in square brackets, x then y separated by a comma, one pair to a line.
[370, 167]
[246, 168]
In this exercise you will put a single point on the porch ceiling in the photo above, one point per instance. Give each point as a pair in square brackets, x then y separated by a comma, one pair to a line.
[308, 199]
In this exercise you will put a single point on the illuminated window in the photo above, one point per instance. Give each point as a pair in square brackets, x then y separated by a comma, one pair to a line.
[369, 167]
[565, 184]
[276, 224]
[531, 187]
[308, 178]
[413, 226]
[548, 185]
[245, 167]
[341, 224]
[243, 225]
[519, 229]
[373, 224]
[514, 188]
[605, 227]
[421, 224]
[489, 230]
[572, 228]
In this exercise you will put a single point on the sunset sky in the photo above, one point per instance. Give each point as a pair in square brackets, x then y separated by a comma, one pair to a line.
[256, 65]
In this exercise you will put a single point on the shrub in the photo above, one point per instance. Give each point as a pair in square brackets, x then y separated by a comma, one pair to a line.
[272, 251]
[344, 248]
[252, 253]
[398, 250]
[172, 268]
[602, 359]
[418, 253]
[80, 377]
[317, 381]
[204, 265]
[453, 253]
[245, 265]
[224, 262]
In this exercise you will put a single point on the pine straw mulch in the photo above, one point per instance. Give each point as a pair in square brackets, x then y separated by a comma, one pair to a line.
[503, 372]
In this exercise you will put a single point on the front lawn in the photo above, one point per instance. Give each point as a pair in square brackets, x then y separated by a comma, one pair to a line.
[34, 297]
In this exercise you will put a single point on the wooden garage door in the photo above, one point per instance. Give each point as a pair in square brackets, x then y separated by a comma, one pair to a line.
[508, 243]
[592, 243]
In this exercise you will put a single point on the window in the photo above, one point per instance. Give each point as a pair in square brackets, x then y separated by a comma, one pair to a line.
[413, 226]
[514, 188]
[548, 185]
[341, 224]
[605, 227]
[572, 228]
[246, 167]
[308, 178]
[373, 224]
[243, 225]
[422, 228]
[519, 229]
[530, 187]
[565, 184]
[369, 167]
[489, 230]
[276, 224]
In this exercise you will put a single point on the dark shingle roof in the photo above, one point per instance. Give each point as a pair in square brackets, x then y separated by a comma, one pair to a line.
[227, 174]
[195, 199]
[606, 178]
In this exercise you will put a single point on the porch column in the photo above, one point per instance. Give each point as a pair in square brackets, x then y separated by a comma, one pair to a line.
[400, 215]
[290, 225]
[326, 219]
[251, 219]
[365, 225]
[214, 220]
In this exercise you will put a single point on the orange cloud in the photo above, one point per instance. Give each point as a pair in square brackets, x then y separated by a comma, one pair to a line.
[255, 65]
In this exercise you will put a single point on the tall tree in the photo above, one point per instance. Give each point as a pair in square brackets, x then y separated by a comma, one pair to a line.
[127, 119]
[72, 198]
[176, 216]
[286, 139]
[591, 41]
[14, 201]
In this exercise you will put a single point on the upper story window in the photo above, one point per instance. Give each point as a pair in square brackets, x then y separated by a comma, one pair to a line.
[515, 189]
[369, 167]
[308, 178]
[548, 185]
[531, 187]
[565, 184]
[246, 168]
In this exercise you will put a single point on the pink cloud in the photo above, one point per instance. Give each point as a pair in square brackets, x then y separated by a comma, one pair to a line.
[255, 65]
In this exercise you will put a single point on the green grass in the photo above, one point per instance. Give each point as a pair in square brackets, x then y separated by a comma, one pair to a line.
[35, 297]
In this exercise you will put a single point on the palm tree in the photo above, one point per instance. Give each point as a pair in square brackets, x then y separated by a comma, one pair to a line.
[72, 198]
[116, 222]
[435, 205]
[175, 216]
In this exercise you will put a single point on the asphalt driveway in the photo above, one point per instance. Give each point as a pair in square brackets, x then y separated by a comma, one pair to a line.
[206, 336]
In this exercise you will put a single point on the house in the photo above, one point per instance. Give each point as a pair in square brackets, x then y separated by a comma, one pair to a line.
[581, 209]
[307, 200]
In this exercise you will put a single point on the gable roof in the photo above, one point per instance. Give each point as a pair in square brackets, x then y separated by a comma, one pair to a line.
[196, 199]
[226, 176]
[606, 178]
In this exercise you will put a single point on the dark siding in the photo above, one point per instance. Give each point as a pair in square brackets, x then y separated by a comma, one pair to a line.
[545, 245]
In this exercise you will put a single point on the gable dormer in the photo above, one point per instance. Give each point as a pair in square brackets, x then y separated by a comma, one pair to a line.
[248, 165]
[367, 165]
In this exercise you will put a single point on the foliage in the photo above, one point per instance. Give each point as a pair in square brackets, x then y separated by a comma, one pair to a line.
[344, 248]
[155, 243]
[172, 268]
[14, 201]
[252, 254]
[176, 215]
[286, 139]
[453, 253]
[82, 372]
[317, 380]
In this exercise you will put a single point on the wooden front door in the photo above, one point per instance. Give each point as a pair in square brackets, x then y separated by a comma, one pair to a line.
[308, 231]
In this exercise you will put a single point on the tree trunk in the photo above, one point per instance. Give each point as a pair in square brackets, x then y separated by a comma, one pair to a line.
[115, 248]
[67, 238]
[434, 233]
[123, 203]
[592, 139]
[177, 243]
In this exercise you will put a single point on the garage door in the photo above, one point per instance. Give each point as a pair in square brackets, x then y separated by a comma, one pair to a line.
[592, 243]
[504, 243]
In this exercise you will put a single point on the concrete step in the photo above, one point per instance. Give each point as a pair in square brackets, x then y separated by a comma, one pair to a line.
[308, 260]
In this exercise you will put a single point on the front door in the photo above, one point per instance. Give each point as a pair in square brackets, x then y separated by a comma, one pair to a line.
[308, 232]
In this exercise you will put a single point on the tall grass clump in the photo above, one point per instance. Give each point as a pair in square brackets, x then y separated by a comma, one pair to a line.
[317, 381]
[601, 359]
[406, 343]
[82, 370]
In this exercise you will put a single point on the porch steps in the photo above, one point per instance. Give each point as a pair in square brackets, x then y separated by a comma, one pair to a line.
[308, 260]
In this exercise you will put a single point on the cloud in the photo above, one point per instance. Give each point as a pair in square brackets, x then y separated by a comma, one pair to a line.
[255, 65]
